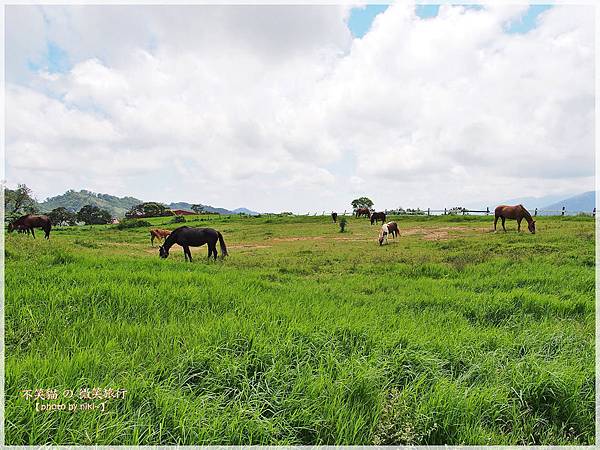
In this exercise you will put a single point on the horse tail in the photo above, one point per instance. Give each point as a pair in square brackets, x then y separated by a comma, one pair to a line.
[222, 243]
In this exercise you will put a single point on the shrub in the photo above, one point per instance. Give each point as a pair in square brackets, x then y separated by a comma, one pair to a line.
[343, 223]
[132, 223]
[178, 219]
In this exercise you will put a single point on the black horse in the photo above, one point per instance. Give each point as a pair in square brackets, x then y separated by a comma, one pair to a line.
[377, 216]
[334, 216]
[193, 237]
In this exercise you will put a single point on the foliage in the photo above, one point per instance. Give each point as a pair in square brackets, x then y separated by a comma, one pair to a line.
[74, 201]
[132, 223]
[456, 210]
[343, 222]
[148, 209]
[19, 201]
[178, 219]
[62, 216]
[362, 202]
[198, 209]
[92, 215]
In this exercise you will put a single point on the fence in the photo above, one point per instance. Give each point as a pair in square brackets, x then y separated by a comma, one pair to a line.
[464, 211]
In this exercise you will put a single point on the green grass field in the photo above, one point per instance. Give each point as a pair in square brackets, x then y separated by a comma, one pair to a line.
[451, 334]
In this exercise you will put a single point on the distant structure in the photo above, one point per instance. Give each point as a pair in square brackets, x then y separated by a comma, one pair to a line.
[183, 212]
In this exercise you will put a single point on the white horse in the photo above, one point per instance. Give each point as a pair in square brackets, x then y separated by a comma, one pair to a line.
[387, 229]
[383, 234]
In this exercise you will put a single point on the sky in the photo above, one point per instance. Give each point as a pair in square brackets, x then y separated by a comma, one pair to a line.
[301, 108]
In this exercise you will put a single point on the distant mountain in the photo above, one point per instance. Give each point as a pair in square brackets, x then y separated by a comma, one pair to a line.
[585, 202]
[245, 211]
[207, 208]
[74, 201]
[117, 206]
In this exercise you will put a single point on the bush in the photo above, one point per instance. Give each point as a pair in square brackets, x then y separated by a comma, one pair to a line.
[178, 219]
[343, 223]
[132, 223]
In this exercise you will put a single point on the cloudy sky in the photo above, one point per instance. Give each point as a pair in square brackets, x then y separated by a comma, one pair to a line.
[301, 108]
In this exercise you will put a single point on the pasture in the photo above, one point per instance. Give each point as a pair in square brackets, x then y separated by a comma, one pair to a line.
[450, 334]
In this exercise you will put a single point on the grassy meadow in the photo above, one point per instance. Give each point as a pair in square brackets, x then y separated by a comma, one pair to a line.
[451, 334]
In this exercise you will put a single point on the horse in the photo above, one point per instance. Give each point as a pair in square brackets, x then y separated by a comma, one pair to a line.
[193, 237]
[363, 212]
[517, 212]
[334, 217]
[386, 229]
[159, 234]
[28, 222]
[377, 216]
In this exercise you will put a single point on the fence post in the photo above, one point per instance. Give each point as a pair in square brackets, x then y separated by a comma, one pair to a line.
[535, 212]
[428, 211]
[344, 212]
[487, 210]
[444, 211]
[594, 213]
[323, 213]
[563, 211]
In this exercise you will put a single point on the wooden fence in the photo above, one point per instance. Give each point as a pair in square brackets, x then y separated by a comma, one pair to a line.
[446, 211]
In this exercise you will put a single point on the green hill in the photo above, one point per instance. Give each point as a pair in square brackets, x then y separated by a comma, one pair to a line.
[74, 201]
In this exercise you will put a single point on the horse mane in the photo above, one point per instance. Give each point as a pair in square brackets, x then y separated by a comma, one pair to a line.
[526, 214]
[170, 240]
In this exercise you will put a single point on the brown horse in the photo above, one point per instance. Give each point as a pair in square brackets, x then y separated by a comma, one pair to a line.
[517, 212]
[334, 217]
[363, 212]
[30, 221]
[159, 234]
[377, 216]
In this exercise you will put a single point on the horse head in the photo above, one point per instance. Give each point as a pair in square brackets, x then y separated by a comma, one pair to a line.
[11, 227]
[531, 226]
[163, 252]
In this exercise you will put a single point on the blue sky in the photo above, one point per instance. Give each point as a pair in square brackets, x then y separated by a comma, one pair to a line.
[361, 18]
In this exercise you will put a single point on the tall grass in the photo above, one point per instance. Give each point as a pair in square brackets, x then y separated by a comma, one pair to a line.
[448, 335]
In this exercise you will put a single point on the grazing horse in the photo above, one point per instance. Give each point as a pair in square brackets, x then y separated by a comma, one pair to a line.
[159, 234]
[377, 216]
[517, 212]
[28, 222]
[387, 229]
[363, 212]
[334, 217]
[193, 237]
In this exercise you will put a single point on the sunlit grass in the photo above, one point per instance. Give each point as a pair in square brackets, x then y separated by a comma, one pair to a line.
[450, 334]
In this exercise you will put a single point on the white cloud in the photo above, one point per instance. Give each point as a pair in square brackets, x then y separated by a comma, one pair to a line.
[277, 108]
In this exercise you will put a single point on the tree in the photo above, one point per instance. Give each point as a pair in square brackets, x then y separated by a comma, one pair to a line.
[198, 209]
[19, 201]
[62, 216]
[362, 202]
[147, 209]
[92, 215]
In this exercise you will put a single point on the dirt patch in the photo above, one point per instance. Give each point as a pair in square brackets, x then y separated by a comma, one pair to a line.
[318, 238]
[251, 246]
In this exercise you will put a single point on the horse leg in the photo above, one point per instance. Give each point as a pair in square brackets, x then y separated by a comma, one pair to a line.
[495, 222]
[503, 219]
[152, 240]
[47, 231]
[214, 250]
[188, 253]
[519, 225]
[32, 233]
